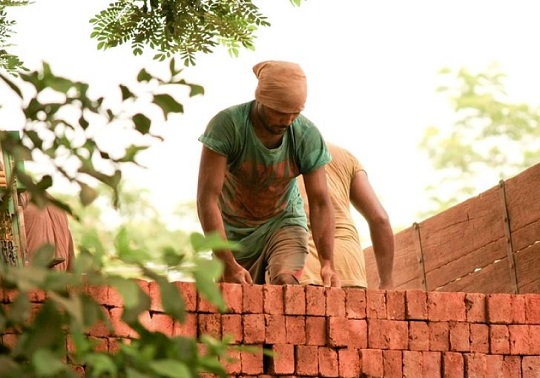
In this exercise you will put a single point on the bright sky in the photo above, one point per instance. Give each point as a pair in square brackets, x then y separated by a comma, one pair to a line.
[371, 67]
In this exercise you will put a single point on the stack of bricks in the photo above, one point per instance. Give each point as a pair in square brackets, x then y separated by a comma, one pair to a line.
[333, 332]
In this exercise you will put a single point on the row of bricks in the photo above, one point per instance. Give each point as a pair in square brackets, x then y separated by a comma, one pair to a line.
[342, 302]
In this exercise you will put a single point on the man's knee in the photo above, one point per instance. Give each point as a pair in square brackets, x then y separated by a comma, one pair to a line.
[284, 279]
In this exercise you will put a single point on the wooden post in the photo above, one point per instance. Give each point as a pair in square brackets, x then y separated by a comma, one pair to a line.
[418, 245]
[508, 235]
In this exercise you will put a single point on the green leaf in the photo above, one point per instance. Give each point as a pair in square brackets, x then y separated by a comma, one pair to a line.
[168, 104]
[170, 368]
[142, 123]
[205, 274]
[212, 241]
[144, 76]
[171, 300]
[87, 194]
[101, 365]
[47, 364]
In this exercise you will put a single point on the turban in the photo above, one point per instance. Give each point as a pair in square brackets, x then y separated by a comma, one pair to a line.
[282, 86]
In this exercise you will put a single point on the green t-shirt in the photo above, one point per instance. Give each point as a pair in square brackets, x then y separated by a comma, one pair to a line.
[260, 193]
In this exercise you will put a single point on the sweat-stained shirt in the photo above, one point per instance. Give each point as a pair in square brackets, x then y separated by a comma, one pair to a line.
[260, 192]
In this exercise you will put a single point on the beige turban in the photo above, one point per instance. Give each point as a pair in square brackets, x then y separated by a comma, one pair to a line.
[282, 86]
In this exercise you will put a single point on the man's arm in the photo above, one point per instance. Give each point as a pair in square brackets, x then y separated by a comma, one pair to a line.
[321, 216]
[365, 200]
[211, 178]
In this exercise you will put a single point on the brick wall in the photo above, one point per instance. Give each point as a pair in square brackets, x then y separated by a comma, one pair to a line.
[331, 332]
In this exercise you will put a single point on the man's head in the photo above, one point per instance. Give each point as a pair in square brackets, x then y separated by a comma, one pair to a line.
[282, 86]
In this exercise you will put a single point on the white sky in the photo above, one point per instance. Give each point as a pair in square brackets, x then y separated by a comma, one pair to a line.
[371, 67]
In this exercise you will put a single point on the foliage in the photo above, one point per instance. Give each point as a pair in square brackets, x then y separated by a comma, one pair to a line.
[9, 62]
[490, 139]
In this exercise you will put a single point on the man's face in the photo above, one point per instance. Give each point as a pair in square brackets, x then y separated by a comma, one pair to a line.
[276, 123]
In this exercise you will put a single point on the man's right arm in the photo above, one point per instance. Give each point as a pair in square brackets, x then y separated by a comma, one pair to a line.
[212, 171]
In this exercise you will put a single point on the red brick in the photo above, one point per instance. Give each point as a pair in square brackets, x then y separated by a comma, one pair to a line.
[283, 361]
[519, 315]
[446, 306]
[36, 295]
[499, 337]
[306, 364]
[459, 337]
[273, 299]
[438, 336]
[412, 363]
[338, 331]
[315, 300]
[99, 293]
[231, 361]
[349, 362]
[206, 306]
[479, 334]
[519, 339]
[210, 324]
[499, 307]
[376, 335]
[188, 290]
[114, 298]
[358, 333]
[295, 299]
[276, 333]
[121, 329]
[395, 305]
[328, 362]
[494, 365]
[10, 340]
[475, 365]
[253, 299]
[335, 301]
[475, 307]
[162, 323]
[453, 366]
[418, 335]
[532, 308]
[155, 296]
[316, 330]
[231, 326]
[355, 303]
[372, 362]
[115, 344]
[188, 327]
[534, 339]
[145, 319]
[101, 344]
[511, 366]
[376, 304]
[252, 360]
[393, 363]
[432, 363]
[295, 326]
[530, 366]
[254, 328]
[416, 304]
[233, 296]
[397, 334]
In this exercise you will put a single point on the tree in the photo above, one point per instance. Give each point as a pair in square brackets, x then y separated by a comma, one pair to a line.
[490, 138]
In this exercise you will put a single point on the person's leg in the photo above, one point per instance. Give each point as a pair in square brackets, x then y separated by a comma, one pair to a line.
[286, 255]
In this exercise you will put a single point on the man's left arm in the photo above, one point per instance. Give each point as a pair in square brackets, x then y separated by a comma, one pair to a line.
[321, 215]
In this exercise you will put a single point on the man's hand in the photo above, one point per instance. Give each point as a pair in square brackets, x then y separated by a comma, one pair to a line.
[235, 273]
[330, 277]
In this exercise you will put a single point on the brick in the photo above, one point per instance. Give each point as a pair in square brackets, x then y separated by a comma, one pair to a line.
[475, 307]
[349, 362]
[499, 307]
[355, 303]
[530, 366]
[206, 306]
[446, 306]
[98, 293]
[121, 329]
[519, 315]
[252, 360]
[439, 336]
[511, 366]
[295, 299]
[519, 339]
[475, 365]
[253, 299]
[188, 290]
[232, 327]
[155, 297]
[376, 304]
[162, 323]
[254, 328]
[338, 331]
[532, 308]
[273, 299]
[328, 362]
[418, 335]
[306, 364]
[479, 336]
[393, 363]
[416, 304]
[494, 365]
[499, 337]
[36, 295]
[335, 301]
[376, 335]
[358, 333]
[295, 326]
[372, 362]
[432, 364]
[395, 305]
[231, 361]
[210, 324]
[459, 337]
[316, 330]
[412, 363]
[188, 327]
[315, 300]
[276, 333]
[233, 296]
[534, 339]
[453, 365]
[283, 361]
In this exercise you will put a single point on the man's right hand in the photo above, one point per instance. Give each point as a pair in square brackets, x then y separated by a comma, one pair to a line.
[235, 273]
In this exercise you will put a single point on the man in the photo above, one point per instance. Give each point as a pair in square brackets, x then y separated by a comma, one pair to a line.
[247, 188]
[348, 184]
